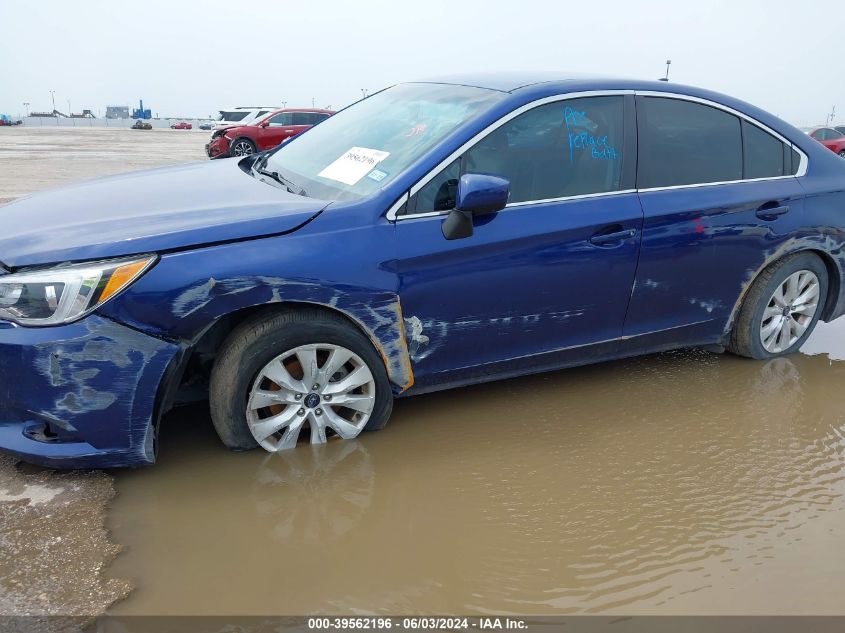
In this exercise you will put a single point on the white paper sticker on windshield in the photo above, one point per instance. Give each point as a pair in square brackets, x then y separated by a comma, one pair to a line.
[354, 165]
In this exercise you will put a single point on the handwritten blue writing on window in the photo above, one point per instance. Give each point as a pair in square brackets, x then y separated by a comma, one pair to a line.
[599, 147]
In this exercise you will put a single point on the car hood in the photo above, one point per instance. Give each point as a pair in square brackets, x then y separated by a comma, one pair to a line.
[169, 208]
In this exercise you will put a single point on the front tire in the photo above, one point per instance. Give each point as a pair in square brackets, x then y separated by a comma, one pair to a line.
[842, 153]
[282, 371]
[781, 308]
[242, 147]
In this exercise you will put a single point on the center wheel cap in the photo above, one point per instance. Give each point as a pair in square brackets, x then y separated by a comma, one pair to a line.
[312, 400]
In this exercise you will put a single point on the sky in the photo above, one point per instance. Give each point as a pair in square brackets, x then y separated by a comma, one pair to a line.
[189, 58]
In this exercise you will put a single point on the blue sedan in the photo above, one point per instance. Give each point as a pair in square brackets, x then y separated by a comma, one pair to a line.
[433, 235]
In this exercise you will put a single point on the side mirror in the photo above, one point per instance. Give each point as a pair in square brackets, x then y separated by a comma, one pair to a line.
[477, 194]
[264, 124]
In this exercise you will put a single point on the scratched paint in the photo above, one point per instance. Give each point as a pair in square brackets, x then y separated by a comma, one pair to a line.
[377, 313]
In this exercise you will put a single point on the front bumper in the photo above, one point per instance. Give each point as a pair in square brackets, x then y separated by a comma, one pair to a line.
[218, 147]
[82, 395]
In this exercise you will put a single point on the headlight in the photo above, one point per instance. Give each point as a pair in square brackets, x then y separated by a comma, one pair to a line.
[61, 295]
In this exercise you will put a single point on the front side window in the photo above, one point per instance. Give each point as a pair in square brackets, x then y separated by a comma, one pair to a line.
[363, 147]
[566, 148]
[685, 143]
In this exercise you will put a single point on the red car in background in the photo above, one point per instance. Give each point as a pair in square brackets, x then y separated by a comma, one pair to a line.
[274, 128]
[181, 126]
[829, 137]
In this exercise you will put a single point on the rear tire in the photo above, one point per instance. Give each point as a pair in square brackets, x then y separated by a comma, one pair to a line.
[260, 341]
[242, 147]
[781, 308]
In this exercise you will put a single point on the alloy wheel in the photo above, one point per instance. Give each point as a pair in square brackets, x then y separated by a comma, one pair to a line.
[790, 311]
[327, 387]
[242, 148]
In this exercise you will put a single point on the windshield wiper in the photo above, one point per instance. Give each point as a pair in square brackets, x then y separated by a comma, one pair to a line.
[287, 184]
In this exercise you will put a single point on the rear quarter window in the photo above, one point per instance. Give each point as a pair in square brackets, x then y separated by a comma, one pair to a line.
[763, 154]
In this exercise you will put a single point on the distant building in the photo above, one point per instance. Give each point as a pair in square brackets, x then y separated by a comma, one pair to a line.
[117, 112]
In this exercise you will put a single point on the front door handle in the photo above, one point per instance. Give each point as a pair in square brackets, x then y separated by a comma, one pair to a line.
[770, 213]
[604, 239]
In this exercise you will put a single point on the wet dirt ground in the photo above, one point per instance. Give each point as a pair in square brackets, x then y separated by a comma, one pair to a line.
[54, 547]
[679, 483]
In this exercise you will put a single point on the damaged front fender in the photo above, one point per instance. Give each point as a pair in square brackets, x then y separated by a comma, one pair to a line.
[81, 395]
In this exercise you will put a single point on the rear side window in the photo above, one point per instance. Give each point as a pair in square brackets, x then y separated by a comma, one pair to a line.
[763, 154]
[685, 143]
[302, 118]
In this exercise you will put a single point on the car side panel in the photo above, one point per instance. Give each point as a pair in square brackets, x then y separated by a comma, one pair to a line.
[701, 246]
[178, 300]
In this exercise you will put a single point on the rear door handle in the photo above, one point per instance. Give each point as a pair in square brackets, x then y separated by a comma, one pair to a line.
[603, 239]
[771, 213]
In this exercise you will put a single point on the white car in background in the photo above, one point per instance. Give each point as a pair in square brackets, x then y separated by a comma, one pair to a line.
[245, 115]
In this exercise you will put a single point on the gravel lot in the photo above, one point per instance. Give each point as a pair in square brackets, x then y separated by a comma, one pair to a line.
[53, 543]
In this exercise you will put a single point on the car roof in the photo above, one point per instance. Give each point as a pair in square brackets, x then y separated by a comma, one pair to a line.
[511, 81]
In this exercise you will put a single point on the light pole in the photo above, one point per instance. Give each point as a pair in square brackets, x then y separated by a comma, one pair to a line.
[68, 107]
[53, 97]
[312, 102]
[668, 63]
[26, 105]
[284, 104]
[363, 93]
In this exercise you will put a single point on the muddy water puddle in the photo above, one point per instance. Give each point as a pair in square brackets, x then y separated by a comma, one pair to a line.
[676, 483]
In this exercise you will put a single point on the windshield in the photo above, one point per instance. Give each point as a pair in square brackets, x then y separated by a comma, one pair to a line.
[362, 148]
[233, 116]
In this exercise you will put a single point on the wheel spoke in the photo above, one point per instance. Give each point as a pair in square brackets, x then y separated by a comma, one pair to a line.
[278, 373]
[791, 290]
[770, 330]
[263, 398]
[360, 402]
[785, 334]
[308, 359]
[807, 309]
[262, 429]
[318, 429]
[771, 311]
[334, 362]
[291, 434]
[808, 295]
[778, 297]
[344, 428]
[360, 376]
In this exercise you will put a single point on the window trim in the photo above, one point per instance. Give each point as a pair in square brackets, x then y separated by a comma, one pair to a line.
[392, 216]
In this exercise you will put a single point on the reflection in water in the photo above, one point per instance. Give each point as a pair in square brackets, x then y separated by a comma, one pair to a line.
[667, 484]
[317, 493]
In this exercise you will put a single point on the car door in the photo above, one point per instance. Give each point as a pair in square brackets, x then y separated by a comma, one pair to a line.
[718, 197]
[278, 128]
[547, 280]
[301, 122]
